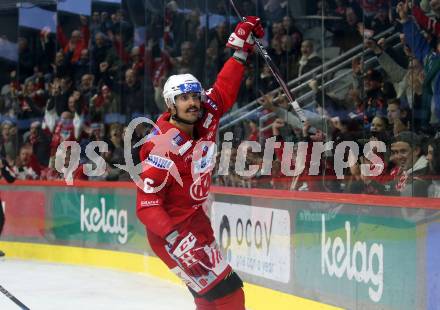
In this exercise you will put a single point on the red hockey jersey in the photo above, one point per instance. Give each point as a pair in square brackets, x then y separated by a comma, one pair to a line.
[177, 168]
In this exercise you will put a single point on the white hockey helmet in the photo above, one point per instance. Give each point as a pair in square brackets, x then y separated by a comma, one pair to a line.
[180, 84]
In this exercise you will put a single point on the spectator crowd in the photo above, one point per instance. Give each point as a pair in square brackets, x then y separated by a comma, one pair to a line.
[87, 79]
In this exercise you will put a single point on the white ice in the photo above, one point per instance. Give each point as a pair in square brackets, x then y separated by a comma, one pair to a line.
[45, 286]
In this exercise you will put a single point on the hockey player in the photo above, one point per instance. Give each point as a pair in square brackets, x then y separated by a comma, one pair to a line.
[6, 173]
[177, 161]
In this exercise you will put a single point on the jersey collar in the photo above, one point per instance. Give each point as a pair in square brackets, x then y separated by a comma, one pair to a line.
[164, 125]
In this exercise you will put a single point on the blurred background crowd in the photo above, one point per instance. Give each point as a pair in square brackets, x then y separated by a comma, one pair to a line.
[363, 70]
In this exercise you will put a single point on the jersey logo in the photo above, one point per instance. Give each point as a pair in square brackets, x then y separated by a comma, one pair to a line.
[212, 104]
[208, 120]
[190, 87]
[149, 203]
[199, 190]
[177, 140]
[205, 162]
[185, 147]
[159, 162]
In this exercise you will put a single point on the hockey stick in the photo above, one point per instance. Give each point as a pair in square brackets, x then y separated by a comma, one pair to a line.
[273, 68]
[13, 298]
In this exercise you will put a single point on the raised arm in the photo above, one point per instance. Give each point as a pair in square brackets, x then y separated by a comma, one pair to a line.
[226, 87]
[413, 36]
[427, 23]
[61, 37]
[416, 41]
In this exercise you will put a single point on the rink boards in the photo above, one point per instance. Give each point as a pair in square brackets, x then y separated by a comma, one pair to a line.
[294, 250]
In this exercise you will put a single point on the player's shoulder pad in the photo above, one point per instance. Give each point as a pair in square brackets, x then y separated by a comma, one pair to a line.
[145, 150]
[151, 155]
[162, 149]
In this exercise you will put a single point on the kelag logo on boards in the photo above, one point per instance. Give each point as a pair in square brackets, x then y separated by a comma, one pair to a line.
[99, 219]
[93, 218]
[254, 240]
[357, 258]
[340, 259]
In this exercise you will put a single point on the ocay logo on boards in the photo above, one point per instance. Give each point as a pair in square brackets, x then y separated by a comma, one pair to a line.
[342, 261]
[247, 232]
[106, 221]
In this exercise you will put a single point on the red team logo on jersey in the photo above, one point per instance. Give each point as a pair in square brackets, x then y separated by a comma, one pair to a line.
[199, 190]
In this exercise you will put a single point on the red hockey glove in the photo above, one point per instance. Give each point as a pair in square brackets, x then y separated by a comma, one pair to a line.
[192, 256]
[241, 38]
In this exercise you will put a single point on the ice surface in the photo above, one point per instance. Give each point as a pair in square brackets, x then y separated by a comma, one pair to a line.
[45, 286]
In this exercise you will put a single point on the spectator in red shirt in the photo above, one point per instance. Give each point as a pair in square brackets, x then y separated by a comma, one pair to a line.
[51, 173]
[430, 24]
[79, 40]
[64, 131]
[253, 134]
[157, 61]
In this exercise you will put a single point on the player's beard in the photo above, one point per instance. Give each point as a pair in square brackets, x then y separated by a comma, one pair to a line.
[194, 112]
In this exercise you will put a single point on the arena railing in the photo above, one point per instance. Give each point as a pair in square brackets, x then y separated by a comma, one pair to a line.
[318, 73]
